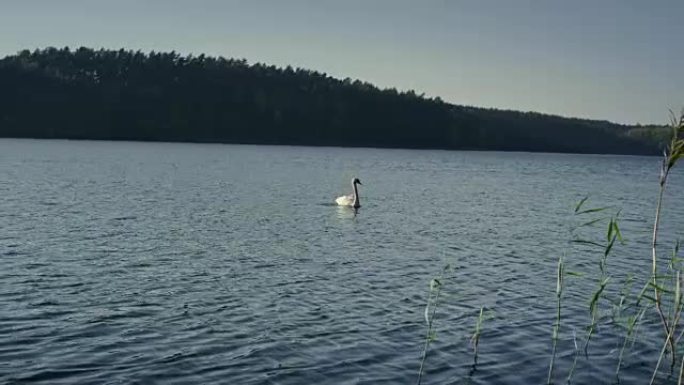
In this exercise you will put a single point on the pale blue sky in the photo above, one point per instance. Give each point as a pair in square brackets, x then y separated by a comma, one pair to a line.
[621, 60]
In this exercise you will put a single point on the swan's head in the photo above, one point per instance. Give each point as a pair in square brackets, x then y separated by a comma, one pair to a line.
[356, 180]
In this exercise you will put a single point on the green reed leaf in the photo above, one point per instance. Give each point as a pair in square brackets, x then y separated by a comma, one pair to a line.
[581, 202]
[609, 232]
[591, 223]
[617, 231]
[589, 211]
[587, 242]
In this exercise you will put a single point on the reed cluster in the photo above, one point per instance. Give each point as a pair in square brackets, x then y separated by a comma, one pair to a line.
[624, 307]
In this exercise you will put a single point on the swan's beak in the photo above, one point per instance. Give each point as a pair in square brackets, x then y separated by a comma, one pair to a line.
[359, 182]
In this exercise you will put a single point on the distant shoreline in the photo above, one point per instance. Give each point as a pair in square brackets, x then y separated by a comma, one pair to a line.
[135, 96]
[326, 146]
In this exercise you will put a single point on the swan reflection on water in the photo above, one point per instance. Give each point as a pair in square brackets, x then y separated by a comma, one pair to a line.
[347, 212]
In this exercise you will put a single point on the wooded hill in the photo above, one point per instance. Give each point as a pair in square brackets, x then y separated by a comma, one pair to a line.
[126, 95]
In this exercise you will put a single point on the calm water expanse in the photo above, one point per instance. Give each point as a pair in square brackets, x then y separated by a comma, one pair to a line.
[144, 263]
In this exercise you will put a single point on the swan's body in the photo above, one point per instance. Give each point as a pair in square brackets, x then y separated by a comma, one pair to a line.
[351, 199]
[345, 200]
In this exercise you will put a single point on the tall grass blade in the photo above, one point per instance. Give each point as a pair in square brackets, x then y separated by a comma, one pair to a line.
[580, 203]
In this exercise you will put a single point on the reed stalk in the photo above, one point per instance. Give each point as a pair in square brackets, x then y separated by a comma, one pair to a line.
[556, 326]
[433, 299]
[475, 339]
[631, 328]
[673, 152]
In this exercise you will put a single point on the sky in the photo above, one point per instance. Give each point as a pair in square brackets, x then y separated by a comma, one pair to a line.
[618, 60]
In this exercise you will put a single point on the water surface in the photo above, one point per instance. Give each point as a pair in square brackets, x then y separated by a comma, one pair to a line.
[167, 263]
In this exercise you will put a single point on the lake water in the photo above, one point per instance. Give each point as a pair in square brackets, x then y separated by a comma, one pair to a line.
[143, 263]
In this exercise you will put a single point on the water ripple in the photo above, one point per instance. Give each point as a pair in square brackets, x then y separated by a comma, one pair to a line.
[143, 263]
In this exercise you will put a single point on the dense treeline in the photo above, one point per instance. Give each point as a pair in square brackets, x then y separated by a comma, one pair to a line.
[126, 95]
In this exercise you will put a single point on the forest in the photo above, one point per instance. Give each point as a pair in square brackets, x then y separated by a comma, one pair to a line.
[105, 94]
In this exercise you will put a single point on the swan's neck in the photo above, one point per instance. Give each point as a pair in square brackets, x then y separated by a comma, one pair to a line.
[357, 203]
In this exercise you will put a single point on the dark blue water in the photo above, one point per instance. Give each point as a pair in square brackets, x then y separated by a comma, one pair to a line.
[143, 263]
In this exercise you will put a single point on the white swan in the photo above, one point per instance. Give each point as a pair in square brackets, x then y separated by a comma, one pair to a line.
[351, 199]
